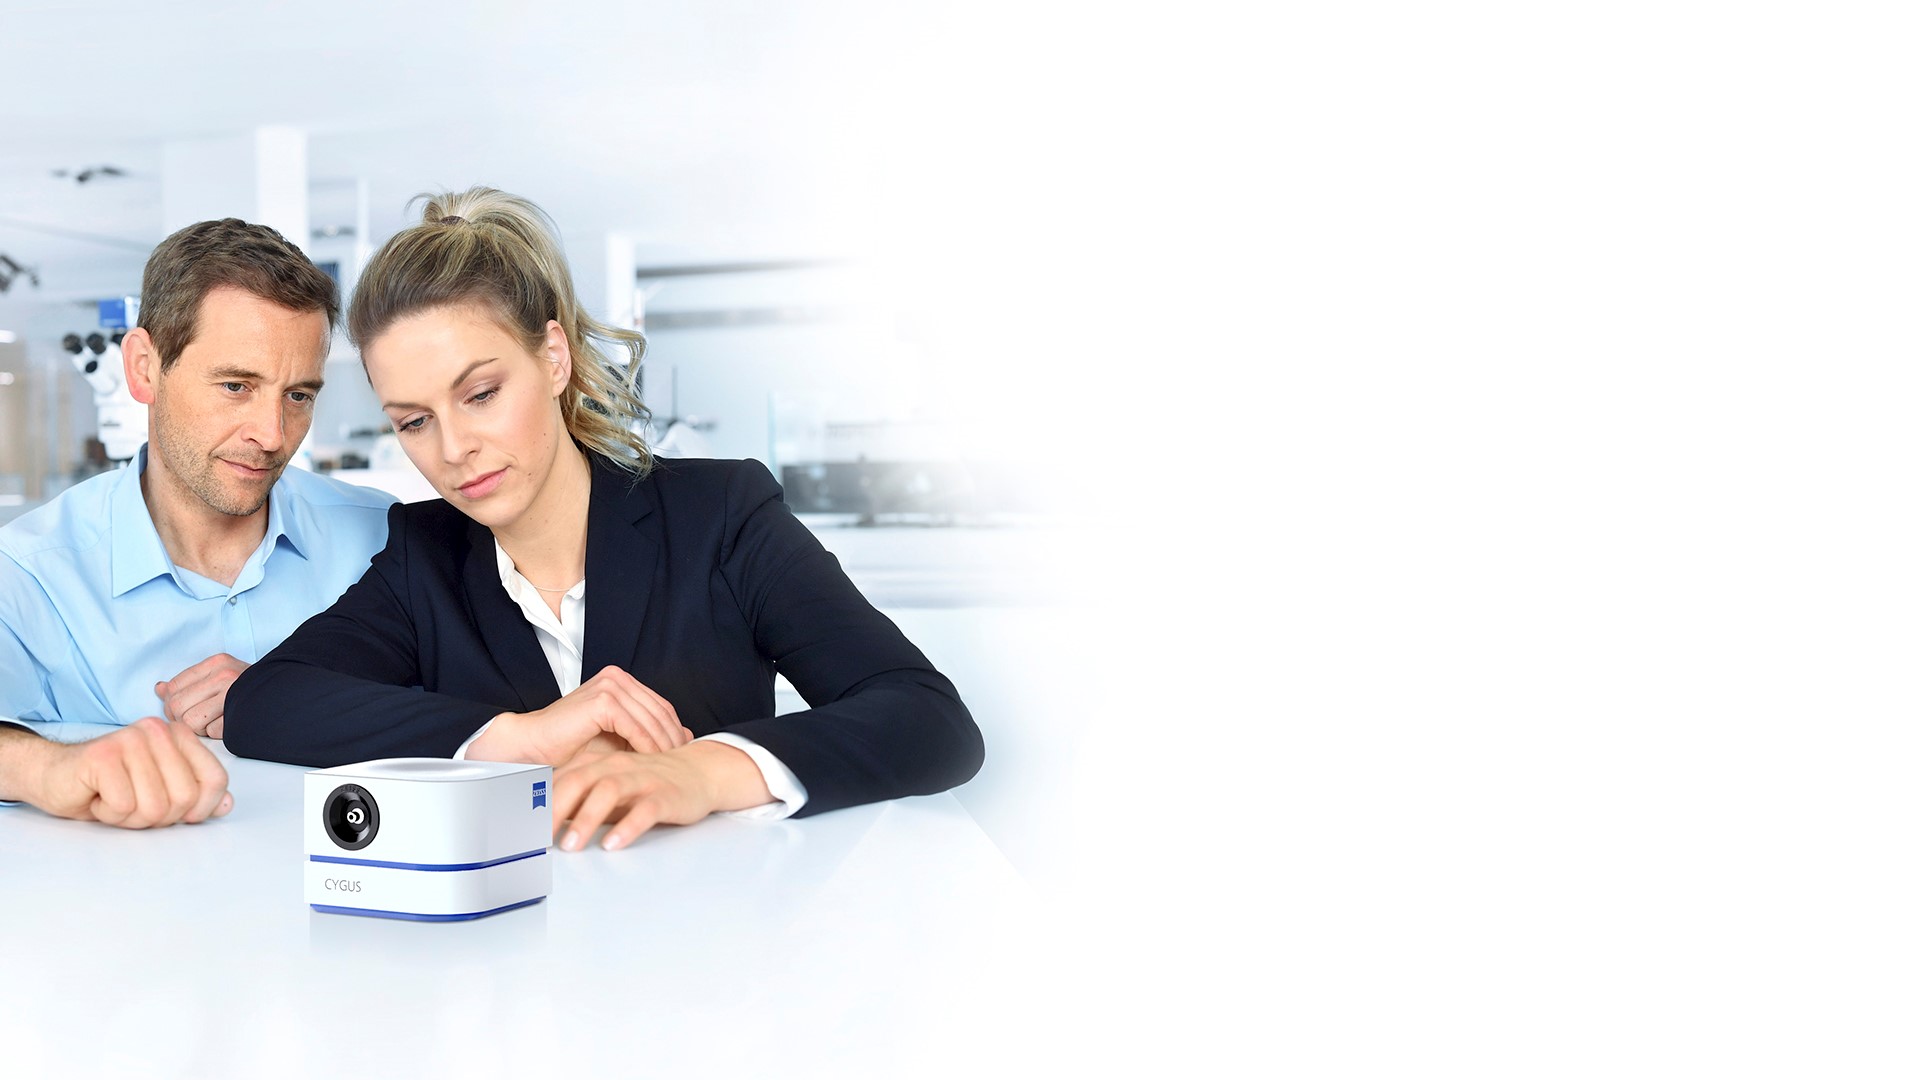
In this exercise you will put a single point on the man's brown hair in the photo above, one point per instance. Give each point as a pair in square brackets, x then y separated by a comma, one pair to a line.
[227, 253]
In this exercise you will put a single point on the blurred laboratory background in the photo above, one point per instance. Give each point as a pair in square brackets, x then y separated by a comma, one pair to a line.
[792, 201]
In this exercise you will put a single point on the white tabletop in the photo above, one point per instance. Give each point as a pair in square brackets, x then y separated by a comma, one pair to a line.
[880, 940]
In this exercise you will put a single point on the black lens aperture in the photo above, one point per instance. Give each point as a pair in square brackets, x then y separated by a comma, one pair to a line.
[351, 816]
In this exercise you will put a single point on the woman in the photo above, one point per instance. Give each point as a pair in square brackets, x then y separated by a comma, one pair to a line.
[573, 601]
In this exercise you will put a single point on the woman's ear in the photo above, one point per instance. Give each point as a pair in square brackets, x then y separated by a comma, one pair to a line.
[560, 355]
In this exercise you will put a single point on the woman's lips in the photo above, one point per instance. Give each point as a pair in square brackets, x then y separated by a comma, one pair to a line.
[483, 487]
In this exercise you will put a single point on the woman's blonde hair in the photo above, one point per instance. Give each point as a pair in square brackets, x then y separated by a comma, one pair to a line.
[488, 247]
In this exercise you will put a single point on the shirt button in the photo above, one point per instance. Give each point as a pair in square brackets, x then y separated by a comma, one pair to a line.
[233, 600]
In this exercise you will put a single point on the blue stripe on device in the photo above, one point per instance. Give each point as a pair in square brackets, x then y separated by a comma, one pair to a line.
[428, 866]
[410, 917]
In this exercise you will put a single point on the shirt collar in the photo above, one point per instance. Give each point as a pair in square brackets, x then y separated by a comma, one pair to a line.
[139, 556]
[287, 518]
[283, 522]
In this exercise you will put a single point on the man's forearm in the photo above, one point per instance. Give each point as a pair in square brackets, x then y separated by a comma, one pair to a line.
[22, 760]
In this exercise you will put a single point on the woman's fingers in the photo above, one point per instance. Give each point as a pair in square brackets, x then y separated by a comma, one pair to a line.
[652, 715]
[665, 718]
[635, 792]
[610, 708]
[644, 815]
[604, 795]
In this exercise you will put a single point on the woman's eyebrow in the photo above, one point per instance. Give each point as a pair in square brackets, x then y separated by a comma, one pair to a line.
[458, 379]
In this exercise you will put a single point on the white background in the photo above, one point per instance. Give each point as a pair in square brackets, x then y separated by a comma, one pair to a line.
[1598, 598]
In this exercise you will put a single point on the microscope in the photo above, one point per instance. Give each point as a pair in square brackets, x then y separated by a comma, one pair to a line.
[123, 421]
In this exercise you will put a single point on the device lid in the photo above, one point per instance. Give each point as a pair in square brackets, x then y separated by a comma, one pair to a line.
[435, 770]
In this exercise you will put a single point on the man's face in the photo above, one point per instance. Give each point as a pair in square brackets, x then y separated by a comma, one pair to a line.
[234, 406]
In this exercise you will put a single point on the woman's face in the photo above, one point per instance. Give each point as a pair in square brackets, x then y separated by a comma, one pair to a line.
[478, 414]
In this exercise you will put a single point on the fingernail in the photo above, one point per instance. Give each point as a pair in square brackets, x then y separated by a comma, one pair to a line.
[571, 843]
[614, 842]
[226, 803]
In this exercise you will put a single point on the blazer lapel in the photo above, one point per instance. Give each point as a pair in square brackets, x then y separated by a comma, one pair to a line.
[509, 637]
[621, 560]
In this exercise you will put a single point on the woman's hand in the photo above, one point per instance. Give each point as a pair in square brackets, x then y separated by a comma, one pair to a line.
[604, 743]
[612, 704]
[638, 791]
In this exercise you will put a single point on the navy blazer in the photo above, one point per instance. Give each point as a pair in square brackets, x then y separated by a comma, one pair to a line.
[700, 582]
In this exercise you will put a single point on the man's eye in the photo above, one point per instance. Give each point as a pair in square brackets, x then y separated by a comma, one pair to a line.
[233, 387]
[300, 397]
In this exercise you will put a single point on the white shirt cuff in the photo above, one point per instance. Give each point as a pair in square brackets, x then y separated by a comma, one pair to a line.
[789, 795]
[461, 754]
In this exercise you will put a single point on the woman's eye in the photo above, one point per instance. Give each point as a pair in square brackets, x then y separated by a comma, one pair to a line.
[484, 396]
[413, 424]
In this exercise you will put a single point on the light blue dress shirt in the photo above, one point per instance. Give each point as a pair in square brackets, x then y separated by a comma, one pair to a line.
[93, 612]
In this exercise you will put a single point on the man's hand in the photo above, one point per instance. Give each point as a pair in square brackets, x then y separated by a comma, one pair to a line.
[639, 791]
[612, 703]
[197, 697]
[147, 774]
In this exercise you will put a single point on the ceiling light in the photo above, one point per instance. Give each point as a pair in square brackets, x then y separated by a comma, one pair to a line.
[89, 172]
[11, 271]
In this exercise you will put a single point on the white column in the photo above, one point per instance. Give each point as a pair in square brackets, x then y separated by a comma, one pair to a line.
[602, 265]
[618, 252]
[362, 229]
[258, 176]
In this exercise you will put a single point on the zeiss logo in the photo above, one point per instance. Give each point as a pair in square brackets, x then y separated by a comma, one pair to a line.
[539, 794]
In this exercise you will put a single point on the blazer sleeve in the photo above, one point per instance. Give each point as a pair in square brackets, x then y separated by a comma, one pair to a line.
[299, 704]
[883, 722]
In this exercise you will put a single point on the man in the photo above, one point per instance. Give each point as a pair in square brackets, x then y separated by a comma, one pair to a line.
[147, 590]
